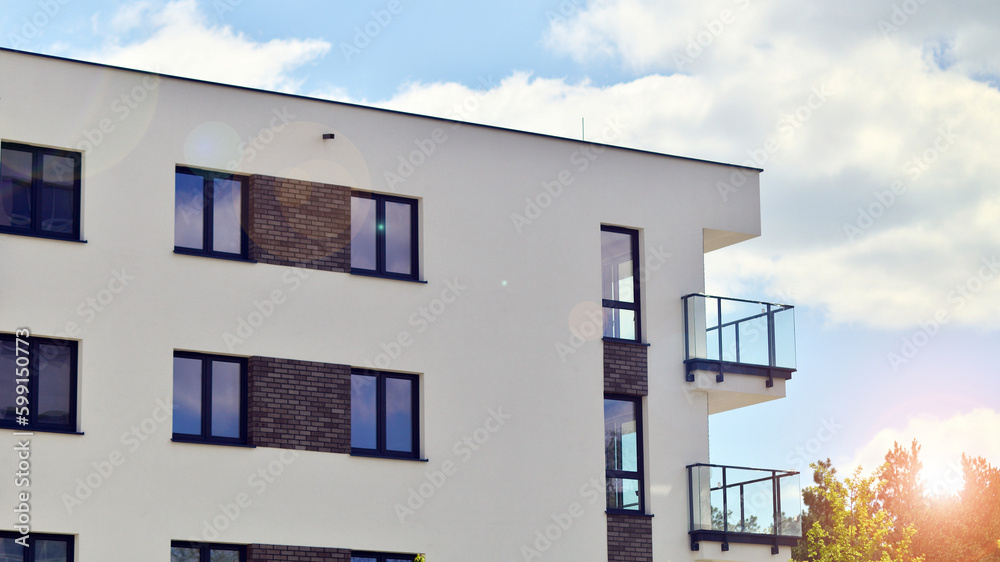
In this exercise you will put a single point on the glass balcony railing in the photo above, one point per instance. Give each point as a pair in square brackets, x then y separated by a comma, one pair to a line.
[744, 505]
[721, 331]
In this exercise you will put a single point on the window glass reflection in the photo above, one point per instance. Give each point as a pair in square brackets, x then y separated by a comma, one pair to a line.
[227, 205]
[226, 399]
[15, 188]
[364, 412]
[399, 414]
[189, 211]
[55, 380]
[187, 396]
[398, 243]
[616, 266]
[364, 253]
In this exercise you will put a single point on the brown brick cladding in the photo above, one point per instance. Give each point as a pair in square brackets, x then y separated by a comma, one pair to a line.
[630, 538]
[300, 405]
[280, 553]
[625, 370]
[300, 223]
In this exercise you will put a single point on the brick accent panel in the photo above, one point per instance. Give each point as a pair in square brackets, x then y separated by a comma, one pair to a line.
[300, 405]
[300, 223]
[625, 370]
[281, 553]
[630, 538]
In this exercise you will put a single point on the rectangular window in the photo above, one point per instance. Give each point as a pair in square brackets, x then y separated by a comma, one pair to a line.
[384, 235]
[381, 557]
[210, 210]
[623, 453]
[41, 547]
[620, 283]
[37, 383]
[205, 552]
[384, 416]
[39, 191]
[210, 398]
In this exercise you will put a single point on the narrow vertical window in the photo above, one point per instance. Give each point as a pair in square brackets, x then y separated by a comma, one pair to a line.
[210, 210]
[620, 283]
[209, 398]
[40, 191]
[623, 453]
[384, 416]
[384, 235]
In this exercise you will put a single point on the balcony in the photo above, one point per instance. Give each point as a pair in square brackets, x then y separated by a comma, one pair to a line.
[731, 504]
[738, 351]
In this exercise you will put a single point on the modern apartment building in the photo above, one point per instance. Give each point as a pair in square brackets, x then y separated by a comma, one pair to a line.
[239, 325]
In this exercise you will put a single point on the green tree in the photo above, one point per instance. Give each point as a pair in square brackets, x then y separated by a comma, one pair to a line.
[902, 493]
[857, 526]
[965, 526]
[817, 506]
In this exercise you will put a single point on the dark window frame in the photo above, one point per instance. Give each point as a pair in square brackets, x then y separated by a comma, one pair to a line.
[380, 416]
[380, 242]
[382, 556]
[206, 436]
[208, 214]
[36, 189]
[33, 392]
[32, 537]
[638, 475]
[636, 306]
[205, 549]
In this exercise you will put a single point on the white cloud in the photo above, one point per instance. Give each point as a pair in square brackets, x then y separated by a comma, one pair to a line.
[847, 126]
[180, 41]
[942, 442]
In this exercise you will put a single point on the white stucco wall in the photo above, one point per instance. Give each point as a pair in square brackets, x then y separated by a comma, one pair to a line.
[493, 349]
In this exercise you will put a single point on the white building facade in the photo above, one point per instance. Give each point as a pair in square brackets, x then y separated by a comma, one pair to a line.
[243, 325]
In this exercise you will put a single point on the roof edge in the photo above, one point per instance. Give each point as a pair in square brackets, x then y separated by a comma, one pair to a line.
[373, 108]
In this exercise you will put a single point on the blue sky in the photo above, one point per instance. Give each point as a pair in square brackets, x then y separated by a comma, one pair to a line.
[876, 122]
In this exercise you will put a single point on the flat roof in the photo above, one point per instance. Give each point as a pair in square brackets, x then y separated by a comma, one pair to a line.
[368, 107]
